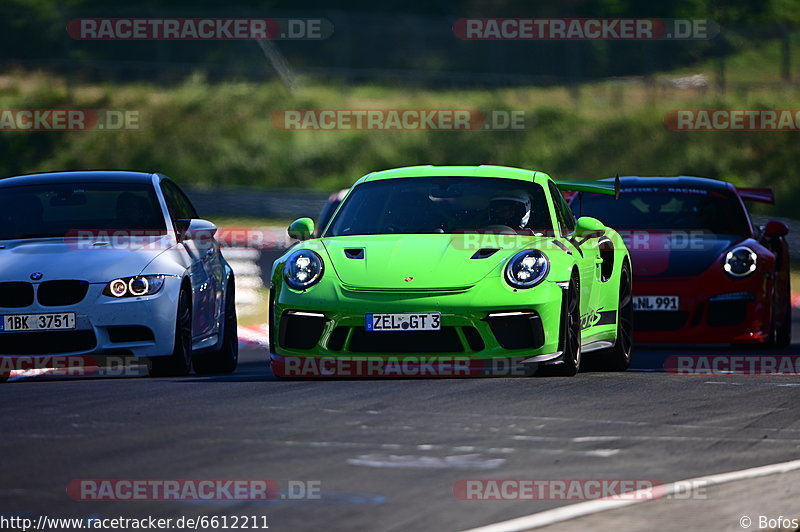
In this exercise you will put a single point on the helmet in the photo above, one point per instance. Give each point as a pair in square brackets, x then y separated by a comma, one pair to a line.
[513, 210]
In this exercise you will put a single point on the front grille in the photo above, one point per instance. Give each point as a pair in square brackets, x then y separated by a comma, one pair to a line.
[337, 339]
[444, 340]
[473, 337]
[61, 293]
[132, 333]
[726, 313]
[16, 295]
[46, 342]
[659, 320]
[517, 331]
[300, 331]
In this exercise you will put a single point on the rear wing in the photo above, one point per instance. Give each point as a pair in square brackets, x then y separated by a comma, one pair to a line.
[598, 187]
[763, 195]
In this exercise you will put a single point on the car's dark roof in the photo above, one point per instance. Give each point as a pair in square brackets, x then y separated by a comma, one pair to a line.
[673, 182]
[81, 176]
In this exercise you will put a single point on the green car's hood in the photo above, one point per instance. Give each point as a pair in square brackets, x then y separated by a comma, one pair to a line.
[433, 261]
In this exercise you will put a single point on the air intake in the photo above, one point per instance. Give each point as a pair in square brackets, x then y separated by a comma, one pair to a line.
[484, 253]
[354, 253]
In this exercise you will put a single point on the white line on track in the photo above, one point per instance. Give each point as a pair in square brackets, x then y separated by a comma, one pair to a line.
[565, 513]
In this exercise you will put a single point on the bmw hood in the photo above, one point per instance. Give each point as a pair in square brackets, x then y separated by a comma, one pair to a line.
[73, 259]
[415, 262]
[678, 254]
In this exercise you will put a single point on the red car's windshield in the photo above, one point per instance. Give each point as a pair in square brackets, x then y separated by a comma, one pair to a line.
[667, 209]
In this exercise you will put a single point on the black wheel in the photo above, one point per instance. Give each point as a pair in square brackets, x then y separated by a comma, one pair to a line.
[618, 357]
[570, 334]
[783, 332]
[226, 358]
[179, 363]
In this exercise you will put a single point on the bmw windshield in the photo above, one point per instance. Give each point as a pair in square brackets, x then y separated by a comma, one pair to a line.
[62, 209]
[430, 205]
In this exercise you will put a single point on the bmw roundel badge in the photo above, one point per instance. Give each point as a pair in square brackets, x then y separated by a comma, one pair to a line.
[35, 276]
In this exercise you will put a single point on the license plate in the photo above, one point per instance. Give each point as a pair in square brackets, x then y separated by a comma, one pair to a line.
[37, 322]
[429, 321]
[652, 303]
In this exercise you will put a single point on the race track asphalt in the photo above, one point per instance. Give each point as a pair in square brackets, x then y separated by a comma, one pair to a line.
[384, 454]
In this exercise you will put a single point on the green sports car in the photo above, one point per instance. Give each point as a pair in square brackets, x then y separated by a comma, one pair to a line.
[452, 271]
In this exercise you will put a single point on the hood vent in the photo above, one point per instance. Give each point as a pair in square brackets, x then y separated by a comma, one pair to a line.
[484, 253]
[354, 253]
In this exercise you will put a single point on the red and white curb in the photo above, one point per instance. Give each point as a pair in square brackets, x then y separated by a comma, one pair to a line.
[254, 335]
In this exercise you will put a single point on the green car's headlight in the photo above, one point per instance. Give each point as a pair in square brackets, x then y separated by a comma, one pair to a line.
[527, 268]
[740, 261]
[145, 285]
[303, 269]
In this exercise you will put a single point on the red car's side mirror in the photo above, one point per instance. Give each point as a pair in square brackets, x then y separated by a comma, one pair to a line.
[775, 229]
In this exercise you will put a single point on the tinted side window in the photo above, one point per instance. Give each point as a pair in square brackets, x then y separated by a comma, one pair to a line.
[180, 208]
[566, 221]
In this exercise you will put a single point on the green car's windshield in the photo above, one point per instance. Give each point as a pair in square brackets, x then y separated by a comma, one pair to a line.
[430, 205]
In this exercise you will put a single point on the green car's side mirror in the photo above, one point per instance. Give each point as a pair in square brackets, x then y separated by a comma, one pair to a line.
[588, 225]
[301, 229]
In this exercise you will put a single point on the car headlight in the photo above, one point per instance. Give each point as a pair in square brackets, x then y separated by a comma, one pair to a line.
[144, 285]
[527, 268]
[740, 261]
[303, 269]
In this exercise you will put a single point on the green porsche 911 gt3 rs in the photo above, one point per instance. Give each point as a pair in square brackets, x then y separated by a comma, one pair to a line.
[452, 271]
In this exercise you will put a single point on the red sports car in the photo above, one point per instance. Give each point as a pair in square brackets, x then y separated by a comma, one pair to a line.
[703, 274]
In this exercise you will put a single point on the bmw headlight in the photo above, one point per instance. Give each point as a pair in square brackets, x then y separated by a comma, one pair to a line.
[144, 285]
[303, 269]
[527, 268]
[740, 261]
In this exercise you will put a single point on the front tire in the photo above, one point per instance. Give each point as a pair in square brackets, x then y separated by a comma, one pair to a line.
[179, 363]
[570, 334]
[618, 357]
[226, 358]
[783, 332]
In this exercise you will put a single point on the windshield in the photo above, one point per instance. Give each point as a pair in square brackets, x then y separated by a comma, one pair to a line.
[429, 205]
[667, 209]
[61, 209]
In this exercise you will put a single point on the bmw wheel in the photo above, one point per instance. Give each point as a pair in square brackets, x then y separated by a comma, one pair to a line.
[226, 358]
[179, 363]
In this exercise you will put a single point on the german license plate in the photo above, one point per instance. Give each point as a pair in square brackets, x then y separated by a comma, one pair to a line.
[653, 303]
[427, 321]
[37, 322]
